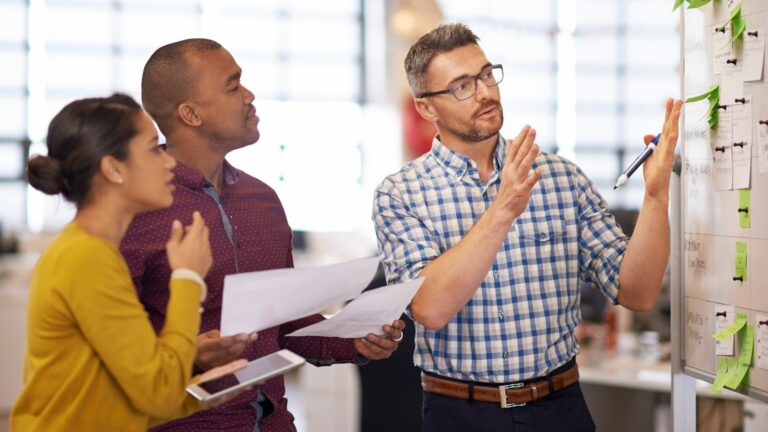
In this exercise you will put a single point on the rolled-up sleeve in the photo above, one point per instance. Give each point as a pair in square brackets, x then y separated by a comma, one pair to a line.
[406, 245]
[602, 243]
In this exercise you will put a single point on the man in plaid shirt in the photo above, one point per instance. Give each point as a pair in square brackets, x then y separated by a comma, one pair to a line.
[503, 235]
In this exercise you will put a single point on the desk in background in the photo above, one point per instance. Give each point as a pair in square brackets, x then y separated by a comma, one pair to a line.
[631, 395]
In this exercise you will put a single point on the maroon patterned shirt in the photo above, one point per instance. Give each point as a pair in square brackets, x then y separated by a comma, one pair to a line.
[248, 232]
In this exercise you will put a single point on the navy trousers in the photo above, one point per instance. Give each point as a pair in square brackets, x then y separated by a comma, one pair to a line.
[563, 411]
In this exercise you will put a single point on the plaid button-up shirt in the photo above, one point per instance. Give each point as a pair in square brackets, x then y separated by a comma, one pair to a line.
[520, 323]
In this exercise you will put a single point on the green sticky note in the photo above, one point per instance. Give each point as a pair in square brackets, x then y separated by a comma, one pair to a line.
[735, 377]
[744, 208]
[713, 114]
[713, 95]
[705, 95]
[741, 261]
[714, 117]
[693, 4]
[747, 346]
[731, 370]
[738, 24]
[736, 11]
[723, 334]
[722, 373]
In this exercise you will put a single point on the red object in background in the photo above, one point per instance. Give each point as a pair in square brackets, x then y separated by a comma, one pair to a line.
[417, 132]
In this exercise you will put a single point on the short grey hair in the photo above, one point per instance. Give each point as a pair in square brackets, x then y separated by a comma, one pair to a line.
[442, 39]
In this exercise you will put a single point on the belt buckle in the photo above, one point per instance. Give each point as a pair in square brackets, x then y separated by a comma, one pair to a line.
[503, 395]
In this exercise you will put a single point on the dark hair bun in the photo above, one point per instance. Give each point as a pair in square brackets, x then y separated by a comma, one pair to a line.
[44, 174]
[81, 134]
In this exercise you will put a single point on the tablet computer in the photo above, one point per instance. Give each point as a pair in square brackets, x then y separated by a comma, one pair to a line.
[256, 371]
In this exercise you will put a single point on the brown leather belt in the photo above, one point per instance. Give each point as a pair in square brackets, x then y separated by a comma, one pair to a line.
[507, 395]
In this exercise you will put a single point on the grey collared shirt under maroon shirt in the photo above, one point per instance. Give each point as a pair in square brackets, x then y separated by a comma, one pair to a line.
[248, 232]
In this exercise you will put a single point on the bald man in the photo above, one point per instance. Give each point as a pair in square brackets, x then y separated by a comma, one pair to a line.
[192, 90]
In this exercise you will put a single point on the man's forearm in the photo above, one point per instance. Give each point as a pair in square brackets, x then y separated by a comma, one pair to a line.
[452, 279]
[647, 256]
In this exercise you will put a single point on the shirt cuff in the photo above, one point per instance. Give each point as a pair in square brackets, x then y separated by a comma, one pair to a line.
[192, 275]
[361, 359]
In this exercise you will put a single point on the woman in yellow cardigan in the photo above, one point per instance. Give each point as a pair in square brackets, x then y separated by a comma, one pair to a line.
[94, 362]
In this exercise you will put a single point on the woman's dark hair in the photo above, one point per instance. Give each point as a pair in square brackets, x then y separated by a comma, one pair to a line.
[81, 134]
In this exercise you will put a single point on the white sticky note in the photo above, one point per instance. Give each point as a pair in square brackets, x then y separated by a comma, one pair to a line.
[761, 341]
[721, 47]
[754, 53]
[732, 81]
[722, 171]
[724, 317]
[762, 139]
[742, 142]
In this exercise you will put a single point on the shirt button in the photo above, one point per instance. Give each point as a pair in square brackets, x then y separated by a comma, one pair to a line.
[543, 235]
[496, 274]
[501, 316]
[505, 355]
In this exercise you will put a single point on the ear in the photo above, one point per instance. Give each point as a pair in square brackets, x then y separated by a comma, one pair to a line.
[189, 114]
[426, 109]
[112, 169]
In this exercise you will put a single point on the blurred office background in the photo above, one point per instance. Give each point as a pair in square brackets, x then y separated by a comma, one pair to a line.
[590, 75]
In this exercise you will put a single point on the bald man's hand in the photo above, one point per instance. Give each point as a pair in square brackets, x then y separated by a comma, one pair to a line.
[214, 350]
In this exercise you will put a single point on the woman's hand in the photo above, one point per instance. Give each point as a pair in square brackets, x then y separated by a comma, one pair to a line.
[219, 372]
[188, 247]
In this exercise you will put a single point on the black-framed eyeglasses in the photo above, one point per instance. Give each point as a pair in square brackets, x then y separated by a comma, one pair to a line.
[465, 88]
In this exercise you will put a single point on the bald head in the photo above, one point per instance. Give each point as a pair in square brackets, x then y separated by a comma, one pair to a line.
[168, 79]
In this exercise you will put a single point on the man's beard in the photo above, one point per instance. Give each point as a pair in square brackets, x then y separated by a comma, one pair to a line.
[474, 132]
[221, 143]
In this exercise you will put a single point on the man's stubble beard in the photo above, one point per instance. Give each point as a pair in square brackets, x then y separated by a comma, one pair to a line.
[224, 144]
[475, 133]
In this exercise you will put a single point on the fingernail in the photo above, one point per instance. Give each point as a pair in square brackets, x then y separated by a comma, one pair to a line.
[254, 336]
[176, 224]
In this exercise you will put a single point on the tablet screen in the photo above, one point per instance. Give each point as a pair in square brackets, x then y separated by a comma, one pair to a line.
[255, 369]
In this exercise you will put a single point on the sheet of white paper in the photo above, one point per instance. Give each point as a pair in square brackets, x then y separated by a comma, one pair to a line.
[754, 53]
[762, 141]
[260, 300]
[367, 313]
[761, 341]
[742, 143]
[725, 346]
[721, 48]
[722, 151]
[732, 82]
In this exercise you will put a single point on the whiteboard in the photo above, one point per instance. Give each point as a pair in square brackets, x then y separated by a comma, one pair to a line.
[710, 217]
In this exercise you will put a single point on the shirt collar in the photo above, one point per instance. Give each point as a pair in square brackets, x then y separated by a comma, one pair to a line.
[187, 176]
[459, 164]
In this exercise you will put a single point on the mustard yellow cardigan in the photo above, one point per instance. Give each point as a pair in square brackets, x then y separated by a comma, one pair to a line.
[93, 361]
